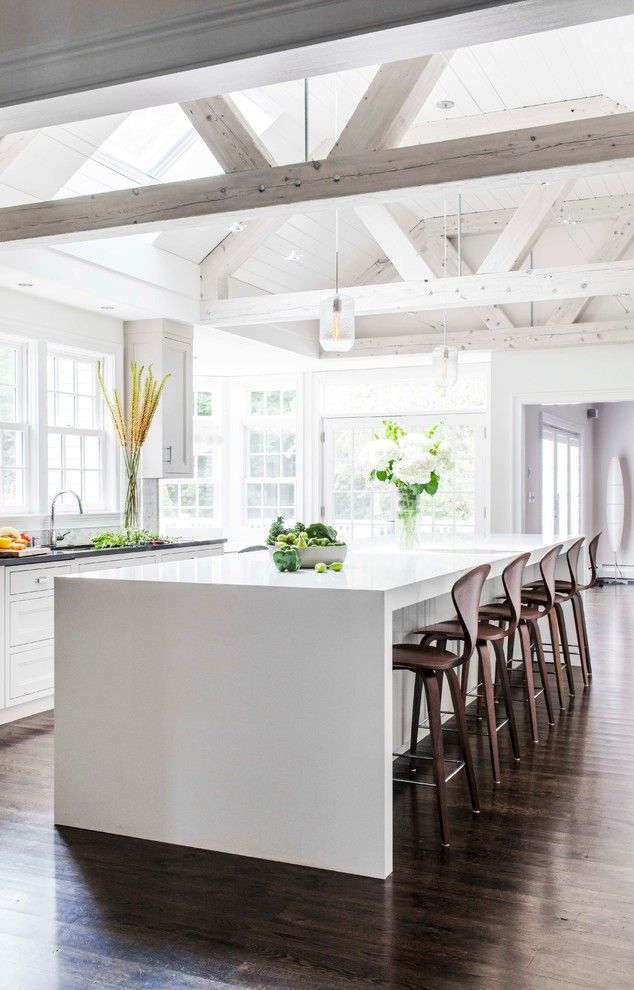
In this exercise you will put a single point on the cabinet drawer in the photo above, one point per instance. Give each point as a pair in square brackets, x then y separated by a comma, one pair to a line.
[31, 620]
[25, 580]
[31, 671]
[189, 554]
[123, 560]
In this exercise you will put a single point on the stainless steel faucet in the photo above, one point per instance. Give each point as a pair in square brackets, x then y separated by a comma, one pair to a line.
[54, 536]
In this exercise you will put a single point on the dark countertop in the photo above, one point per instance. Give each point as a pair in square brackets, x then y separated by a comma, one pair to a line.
[75, 553]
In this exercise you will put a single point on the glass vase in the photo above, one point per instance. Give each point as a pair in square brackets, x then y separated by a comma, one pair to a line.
[131, 519]
[407, 519]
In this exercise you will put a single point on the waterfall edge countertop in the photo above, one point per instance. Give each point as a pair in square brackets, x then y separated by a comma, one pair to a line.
[221, 705]
[81, 552]
[371, 565]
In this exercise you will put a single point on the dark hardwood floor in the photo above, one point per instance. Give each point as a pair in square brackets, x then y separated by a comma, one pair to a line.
[536, 893]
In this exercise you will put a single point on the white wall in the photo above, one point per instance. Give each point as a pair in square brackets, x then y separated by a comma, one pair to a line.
[39, 318]
[589, 374]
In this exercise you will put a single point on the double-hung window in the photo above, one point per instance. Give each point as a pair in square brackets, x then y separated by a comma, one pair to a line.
[195, 502]
[13, 427]
[77, 441]
[271, 456]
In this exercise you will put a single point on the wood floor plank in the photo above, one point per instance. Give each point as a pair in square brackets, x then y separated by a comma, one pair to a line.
[537, 893]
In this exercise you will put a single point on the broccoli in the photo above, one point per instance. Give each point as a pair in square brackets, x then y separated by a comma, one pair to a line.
[277, 528]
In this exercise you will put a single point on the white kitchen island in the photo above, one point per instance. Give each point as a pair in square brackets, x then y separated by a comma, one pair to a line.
[219, 704]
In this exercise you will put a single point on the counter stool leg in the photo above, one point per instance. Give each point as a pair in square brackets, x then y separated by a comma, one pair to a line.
[432, 694]
[582, 638]
[484, 661]
[543, 670]
[565, 648]
[554, 639]
[503, 675]
[413, 739]
[463, 736]
[527, 658]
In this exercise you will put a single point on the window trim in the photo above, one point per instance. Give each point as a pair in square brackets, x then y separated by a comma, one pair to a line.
[103, 431]
[291, 421]
[21, 424]
[194, 522]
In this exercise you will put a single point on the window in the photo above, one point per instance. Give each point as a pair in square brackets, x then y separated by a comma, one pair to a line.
[13, 426]
[359, 508]
[195, 501]
[271, 468]
[76, 437]
[561, 479]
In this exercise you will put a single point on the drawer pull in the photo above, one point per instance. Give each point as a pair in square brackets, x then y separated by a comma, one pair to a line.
[42, 580]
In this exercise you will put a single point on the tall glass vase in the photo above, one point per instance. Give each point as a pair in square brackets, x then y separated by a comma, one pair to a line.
[407, 519]
[131, 514]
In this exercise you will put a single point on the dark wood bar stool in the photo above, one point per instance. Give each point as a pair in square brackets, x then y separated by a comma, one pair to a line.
[573, 586]
[538, 594]
[430, 664]
[488, 635]
[530, 638]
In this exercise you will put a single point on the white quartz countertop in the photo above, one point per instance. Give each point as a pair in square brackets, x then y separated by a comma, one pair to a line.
[377, 565]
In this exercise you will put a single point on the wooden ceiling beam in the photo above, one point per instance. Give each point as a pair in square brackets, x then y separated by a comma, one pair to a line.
[465, 292]
[552, 153]
[523, 229]
[616, 243]
[520, 338]
[227, 134]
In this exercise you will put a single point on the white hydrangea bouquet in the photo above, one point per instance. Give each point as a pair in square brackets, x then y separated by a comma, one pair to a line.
[414, 463]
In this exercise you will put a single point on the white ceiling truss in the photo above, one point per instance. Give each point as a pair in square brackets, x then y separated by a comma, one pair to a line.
[536, 136]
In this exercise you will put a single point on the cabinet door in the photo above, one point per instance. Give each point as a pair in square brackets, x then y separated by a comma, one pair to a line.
[31, 672]
[31, 620]
[119, 560]
[177, 409]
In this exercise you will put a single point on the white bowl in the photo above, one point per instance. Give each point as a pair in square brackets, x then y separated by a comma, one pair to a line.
[318, 555]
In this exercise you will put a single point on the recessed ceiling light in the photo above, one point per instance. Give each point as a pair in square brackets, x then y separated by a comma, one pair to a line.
[25, 285]
[445, 104]
[569, 221]
[236, 227]
[294, 255]
[107, 307]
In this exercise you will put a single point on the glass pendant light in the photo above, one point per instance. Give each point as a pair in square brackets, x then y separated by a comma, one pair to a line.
[336, 313]
[444, 359]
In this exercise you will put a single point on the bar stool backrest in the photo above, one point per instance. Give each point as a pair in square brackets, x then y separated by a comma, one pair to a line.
[512, 578]
[547, 567]
[572, 558]
[466, 598]
[593, 552]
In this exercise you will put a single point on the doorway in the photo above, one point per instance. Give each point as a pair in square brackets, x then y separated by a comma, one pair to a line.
[560, 478]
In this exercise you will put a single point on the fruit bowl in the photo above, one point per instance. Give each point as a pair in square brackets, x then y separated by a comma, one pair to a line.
[318, 555]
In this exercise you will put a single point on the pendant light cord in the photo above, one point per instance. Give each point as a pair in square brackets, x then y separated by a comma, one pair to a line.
[336, 210]
[445, 274]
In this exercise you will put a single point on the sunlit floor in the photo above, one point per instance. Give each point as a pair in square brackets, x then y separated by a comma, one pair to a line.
[537, 892]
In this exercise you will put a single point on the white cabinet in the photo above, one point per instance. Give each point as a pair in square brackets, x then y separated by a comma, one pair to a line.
[31, 620]
[168, 347]
[30, 673]
[28, 647]
[118, 560]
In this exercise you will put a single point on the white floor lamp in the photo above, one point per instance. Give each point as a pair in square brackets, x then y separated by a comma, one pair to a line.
[615, 510]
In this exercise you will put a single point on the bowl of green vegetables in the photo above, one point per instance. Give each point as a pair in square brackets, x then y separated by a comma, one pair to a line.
[305, 546]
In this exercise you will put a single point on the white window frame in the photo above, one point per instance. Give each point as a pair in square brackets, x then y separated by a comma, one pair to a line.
[556, 426]
[22, 422]
[292, 422]
[411, 421]
[109, 487]
[194, 522]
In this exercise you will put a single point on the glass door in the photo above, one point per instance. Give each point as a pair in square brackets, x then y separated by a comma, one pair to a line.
[561, 480]
[359, 508]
